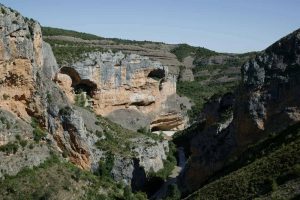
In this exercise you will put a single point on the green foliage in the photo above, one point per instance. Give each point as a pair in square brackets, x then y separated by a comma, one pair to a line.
[200, 93]
[5, 121]
[169, 164]
[117, 139]
[3, 11]
[80, 100]
[184, 50]
[145, 131]
[38, 134]
[5, 96]
[38, 131]
[65, 111]
[49, 31]
[23, 143]
[261, 169]
[106, 165]
[55, 177]
[49, 97]
[70, 52]
[10, 148]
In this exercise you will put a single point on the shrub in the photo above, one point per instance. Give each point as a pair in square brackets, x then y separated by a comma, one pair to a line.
[106, 165]
[3, 11]
[5, 96]
[11, 147]
[23, 143]
[80, 100]
[38, 134]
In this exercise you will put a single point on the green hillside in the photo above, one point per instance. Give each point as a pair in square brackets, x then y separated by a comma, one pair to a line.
[262, 171]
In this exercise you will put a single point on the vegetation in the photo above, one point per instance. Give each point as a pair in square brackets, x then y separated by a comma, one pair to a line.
[49, 31]
[106, 165]
[145, 131]
[263, 168]
[184, 50]
[116, 138]
[173, 193]
[38, 131]
[57, 179]
[3, 11]
[169, 164]
[199, 94]
[80, 100]
[10, 148]
[69, 52]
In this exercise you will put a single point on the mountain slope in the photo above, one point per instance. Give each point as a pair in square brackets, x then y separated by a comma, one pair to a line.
[264, 169]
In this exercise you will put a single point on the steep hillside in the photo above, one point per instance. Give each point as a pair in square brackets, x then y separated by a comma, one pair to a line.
[38, 121]
[269, 169]
[268, 94]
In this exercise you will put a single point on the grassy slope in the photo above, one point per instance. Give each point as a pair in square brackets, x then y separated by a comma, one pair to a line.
[55, 179]
[264, 169]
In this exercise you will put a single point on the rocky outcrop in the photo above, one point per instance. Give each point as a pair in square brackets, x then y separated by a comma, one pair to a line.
[149, 158]
[266, 101]
[119, 83]
[27, 70]
[212, 143]
[269, 93]
[20, 58]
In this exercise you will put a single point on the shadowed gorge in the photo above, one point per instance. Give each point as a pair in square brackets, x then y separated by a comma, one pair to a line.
[88, 117]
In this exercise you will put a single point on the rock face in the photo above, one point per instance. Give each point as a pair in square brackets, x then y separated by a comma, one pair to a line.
[27, 91]
[119, 83]
[266, 101]
[270, 90]
[149, 157]
[212, 144]
[21, 61]
[20, 57]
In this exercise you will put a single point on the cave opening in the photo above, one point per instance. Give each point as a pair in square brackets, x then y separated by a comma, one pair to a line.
[157, 74]
[79, 85]
[156, 128]
[86, 86]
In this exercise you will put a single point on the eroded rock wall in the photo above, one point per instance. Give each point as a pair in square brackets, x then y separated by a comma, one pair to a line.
[118, 82]
[267, 101]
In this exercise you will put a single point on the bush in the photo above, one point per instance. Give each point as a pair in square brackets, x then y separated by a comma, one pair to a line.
[38, 134]
[9, 148]
[185, 50]
[3, 11]
[106, 165]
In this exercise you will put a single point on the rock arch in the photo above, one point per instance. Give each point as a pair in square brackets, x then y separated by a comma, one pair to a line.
[79, 85]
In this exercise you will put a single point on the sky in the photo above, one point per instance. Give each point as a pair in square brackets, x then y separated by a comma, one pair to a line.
[234, 26]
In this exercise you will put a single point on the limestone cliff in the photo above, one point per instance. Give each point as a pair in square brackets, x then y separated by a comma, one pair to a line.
[124, 83]
[267, 101]
[37, 115]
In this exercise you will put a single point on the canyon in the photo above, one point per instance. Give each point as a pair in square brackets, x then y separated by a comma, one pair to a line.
[100, 118]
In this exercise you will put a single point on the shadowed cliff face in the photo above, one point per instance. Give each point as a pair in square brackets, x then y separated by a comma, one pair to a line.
[125, 83]
[269, 96]
[268, 100]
